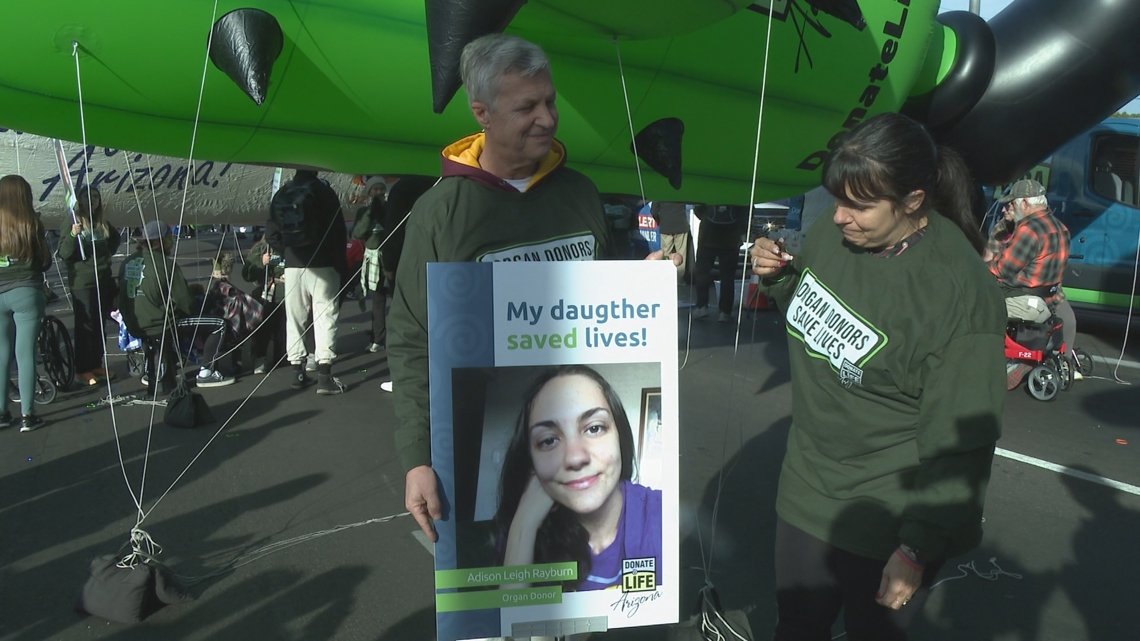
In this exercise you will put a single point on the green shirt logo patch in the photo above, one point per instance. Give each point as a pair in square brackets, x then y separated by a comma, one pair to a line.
[831, 330]
[577, 247]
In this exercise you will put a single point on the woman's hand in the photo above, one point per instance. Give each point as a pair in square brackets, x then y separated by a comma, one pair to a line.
[76, 229]
[768, 257]
[534, 505]
[901, 579]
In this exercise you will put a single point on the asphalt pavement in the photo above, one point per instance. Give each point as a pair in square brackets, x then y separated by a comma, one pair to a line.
[283, 468]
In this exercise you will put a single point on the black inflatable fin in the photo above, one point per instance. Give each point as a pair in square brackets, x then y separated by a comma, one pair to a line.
[967, 80]
[451, 24]
[659, 145]
[1060, 67]
[244, 45]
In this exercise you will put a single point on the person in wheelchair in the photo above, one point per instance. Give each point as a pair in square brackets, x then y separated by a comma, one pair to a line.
[149, 305]
[1027, 252]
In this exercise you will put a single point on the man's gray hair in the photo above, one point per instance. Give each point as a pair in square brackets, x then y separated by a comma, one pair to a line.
[488, 58]
[1032, 203]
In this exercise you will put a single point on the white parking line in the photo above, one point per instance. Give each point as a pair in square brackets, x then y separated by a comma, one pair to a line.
[1053, 467]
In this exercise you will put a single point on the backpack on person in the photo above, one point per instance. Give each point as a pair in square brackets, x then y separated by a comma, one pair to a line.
[296, 209]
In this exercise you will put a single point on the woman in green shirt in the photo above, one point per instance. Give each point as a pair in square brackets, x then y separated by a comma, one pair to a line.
[24, 256]
[896, 334]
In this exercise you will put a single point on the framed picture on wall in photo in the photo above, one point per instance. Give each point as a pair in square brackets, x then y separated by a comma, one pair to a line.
[650, 426]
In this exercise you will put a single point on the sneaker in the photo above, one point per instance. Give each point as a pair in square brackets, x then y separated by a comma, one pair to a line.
[102, 373]
[144, 380]
[261, 368]
[700, 312]
[5, 419]
[375, 347]
[386, 386]
[300, 381]
[31, 423]
[310, 363]
[327, 384]
[723, 318]
[89, 378]
[215, 378]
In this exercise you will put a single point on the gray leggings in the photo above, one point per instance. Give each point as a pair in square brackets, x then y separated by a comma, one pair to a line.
[21, 312]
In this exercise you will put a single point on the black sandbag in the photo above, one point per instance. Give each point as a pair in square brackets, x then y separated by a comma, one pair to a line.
[128, 594]
[186, 408]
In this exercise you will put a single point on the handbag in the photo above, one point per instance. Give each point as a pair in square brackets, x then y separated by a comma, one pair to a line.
[185, 408]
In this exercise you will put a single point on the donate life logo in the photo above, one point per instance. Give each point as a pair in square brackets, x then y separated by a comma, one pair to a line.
[831, 330]
[639, 575]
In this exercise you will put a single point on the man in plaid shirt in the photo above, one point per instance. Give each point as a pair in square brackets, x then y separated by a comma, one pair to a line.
[1027, 252]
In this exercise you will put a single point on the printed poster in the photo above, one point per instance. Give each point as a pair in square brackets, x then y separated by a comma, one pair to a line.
[648, 228]
[554, 435]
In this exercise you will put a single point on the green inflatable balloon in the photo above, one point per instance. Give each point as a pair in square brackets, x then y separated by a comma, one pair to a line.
[345, 85]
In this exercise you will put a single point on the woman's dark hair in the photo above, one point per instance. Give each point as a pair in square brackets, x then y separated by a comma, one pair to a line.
[891, 155]
[89, 209]
[560, 537]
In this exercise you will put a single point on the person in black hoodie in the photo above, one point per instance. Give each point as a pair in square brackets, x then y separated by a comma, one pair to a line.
[307, 227]
[404, 193]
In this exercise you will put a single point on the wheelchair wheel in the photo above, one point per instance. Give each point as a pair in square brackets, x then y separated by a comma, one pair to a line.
[56, 352]
[44, 393]
[45, 390]
[1042, 383]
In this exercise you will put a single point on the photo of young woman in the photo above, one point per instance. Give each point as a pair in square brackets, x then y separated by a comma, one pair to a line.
[565, 491]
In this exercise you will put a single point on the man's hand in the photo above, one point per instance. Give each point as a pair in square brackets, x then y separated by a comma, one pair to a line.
[901, 579]
[421, 498]
[660, 255]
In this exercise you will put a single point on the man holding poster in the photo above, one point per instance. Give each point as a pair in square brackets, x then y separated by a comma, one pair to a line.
[506, 198]
[505, 195]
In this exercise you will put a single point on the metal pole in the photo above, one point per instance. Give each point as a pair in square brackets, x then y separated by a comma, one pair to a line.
[976, 7]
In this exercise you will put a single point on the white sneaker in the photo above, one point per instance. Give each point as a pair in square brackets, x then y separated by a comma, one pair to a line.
[310, 363]
[700, 312]
[261, 369]
[206, 378]
[386, 386]
[375, 347]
